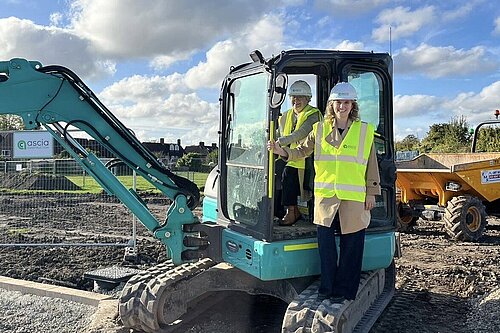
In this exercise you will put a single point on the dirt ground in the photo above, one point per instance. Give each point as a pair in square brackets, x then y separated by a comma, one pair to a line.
[439, 281]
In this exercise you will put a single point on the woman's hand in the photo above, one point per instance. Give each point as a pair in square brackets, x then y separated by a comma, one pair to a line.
[276, 148]
[369, 202]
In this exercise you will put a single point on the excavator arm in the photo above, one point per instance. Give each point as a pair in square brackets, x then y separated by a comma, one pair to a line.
[55, 98]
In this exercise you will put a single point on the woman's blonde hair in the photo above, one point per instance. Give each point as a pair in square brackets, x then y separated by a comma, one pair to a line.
[330, 114]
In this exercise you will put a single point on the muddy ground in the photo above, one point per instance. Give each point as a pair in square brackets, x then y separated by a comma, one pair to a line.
[439, 281]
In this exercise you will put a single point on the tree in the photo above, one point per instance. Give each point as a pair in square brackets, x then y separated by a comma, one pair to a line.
[213, 157]
[453, 137]
[191, 160]
[410, 142]
[488, 139]
[9, 122]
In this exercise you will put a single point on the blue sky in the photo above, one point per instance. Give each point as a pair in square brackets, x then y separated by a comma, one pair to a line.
[158, 64]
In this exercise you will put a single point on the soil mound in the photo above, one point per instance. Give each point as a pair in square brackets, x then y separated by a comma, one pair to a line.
[37, 181]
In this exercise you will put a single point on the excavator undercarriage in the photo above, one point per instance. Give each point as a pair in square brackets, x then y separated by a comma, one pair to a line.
[158, 299]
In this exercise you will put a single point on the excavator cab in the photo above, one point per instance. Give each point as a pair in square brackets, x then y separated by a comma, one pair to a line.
[239, 194]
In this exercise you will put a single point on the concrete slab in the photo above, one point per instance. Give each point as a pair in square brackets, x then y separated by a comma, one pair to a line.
[41, 289]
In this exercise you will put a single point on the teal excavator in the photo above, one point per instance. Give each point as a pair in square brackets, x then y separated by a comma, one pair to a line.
[237, 245]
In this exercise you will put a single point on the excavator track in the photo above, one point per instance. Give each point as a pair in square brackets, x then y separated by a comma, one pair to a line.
[307, 314]
[402, 302]
[143, 304]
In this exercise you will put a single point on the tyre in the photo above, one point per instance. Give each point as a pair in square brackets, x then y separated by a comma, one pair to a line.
[465, 218]
[405, 220]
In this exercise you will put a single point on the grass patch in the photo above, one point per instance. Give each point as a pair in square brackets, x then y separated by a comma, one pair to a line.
[90, 185]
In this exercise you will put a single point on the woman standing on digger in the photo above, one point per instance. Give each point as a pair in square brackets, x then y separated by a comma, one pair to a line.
[345, 184]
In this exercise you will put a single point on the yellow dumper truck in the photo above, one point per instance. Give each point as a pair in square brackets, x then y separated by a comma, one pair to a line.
[459, 189]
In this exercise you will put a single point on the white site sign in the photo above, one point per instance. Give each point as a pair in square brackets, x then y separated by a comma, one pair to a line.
[33, 144]
[490, 176]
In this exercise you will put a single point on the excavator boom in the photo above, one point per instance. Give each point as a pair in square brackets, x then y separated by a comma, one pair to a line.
[56, 98]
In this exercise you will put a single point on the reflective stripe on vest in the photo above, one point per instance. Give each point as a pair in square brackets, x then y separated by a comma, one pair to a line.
[287, 130]
[342, 171]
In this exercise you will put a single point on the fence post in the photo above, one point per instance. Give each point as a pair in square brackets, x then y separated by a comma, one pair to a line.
[134, 219]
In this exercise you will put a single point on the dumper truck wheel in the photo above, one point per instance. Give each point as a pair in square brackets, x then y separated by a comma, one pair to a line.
[405, 220]
[465, 218]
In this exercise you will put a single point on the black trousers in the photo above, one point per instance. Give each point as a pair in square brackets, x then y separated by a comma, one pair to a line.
[290, 185]
[279, 166]
[340, 277]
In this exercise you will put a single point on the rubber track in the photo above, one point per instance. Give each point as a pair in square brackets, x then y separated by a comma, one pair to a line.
[300, 312]
[141, 305]
[128, 303]
[376, 309]
[306, 314]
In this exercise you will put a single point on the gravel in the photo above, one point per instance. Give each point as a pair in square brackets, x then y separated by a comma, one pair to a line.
[485, 315]
[20, 313]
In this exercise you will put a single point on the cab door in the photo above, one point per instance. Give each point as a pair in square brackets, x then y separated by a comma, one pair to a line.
[243, 203]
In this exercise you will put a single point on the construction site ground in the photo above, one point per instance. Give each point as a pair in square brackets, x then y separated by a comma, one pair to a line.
[442, 285]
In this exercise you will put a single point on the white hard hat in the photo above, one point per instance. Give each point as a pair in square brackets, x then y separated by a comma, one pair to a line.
[300, 88]
[343, 90]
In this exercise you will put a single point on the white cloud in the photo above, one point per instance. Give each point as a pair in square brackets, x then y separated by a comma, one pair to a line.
[461, 11]
[437, 62]
[497, 26]
[349, 6]
[401, 131]
[347, 45]
[402, 22]
[266, 35]
[211, 72]
[143, 89]
[51, 45]
[412, 113]
[414, 105]
[163, 62]
[129, 28]
[293, 2]
[206, 134]
[476, 107]
[56, 18]
[164, 107]
[102, 32]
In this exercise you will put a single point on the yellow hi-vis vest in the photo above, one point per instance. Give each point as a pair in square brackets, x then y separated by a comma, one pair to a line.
[287, 130]
[342, 171]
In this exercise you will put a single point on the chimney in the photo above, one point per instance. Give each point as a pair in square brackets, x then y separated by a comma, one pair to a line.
[162, 140]
[179, 142]
[214, 145]
[202, 144]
